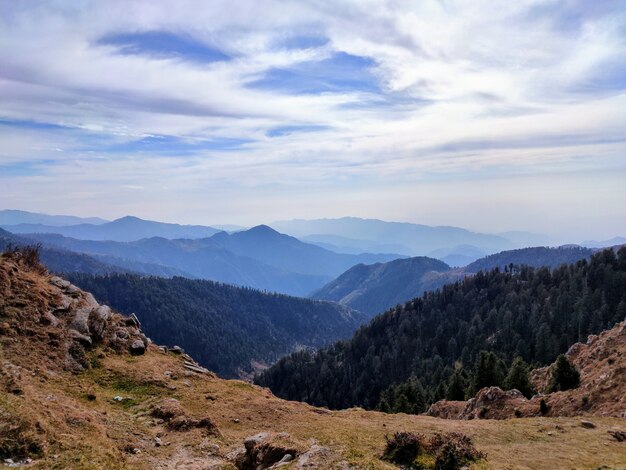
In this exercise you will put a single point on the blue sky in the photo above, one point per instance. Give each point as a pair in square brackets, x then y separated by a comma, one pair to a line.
[437, 112]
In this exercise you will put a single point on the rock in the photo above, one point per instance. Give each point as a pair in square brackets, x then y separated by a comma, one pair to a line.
[265, 450]
[59, 282]
[80, 322]
[587, 424]
[158, 442]
[167, 409]
[177, 350]
[495, 403]
[5, 328]
[49, 319]
[619, 436]
[103, 312]
[84, 340]
[132, 320]
[137, 348]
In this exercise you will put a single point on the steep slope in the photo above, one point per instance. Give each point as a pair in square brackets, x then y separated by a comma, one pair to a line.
[124, 229]
[420, 239]
[375, 288]
[230, 330]
[155, 409]
[535, 257]
[535, 314]
[601, 363]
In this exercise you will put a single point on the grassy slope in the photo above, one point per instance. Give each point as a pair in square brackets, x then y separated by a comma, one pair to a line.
[85, 433]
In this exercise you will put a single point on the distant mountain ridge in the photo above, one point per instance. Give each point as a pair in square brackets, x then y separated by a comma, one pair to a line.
[60, 260]
[259, 257]
[419, 239]
[125, 229]
[15, 217]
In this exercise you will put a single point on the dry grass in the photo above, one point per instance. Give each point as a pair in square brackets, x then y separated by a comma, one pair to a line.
[86, 433]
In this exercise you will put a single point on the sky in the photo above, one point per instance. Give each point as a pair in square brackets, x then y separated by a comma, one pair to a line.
[487, 115]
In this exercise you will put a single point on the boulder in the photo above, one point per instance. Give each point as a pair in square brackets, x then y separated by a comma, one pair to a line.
[265, 450]
[137, 347]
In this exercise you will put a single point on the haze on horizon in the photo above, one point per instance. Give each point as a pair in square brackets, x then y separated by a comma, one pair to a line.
[440, 113]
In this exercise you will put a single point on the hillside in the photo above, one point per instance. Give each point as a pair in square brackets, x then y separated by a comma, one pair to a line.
[124, 229]
[533, 313]
[535, 257]
[101, 398]
[601, 363]
[233, 331]
[375, 288]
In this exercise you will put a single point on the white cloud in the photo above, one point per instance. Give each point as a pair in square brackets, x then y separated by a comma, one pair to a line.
[468, 88]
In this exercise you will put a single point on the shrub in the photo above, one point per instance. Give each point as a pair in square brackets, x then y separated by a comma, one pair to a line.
[564, 375]
[403, 448]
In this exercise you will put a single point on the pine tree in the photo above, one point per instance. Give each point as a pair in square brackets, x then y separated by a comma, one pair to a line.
[564, 375]
[517, 378]
[456, 387]
[487, 372]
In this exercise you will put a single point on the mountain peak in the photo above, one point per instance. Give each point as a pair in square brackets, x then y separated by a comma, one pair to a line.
[262, 229]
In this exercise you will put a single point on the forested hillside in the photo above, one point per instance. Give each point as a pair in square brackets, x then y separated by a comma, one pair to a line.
[377, 287]
[535, 257]
[224, 327]
[531, 313]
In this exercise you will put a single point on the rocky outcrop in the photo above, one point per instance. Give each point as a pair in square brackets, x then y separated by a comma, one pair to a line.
[86, 323]
[601, 362]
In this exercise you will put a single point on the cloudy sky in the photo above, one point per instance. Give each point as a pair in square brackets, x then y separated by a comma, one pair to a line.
[485, 114]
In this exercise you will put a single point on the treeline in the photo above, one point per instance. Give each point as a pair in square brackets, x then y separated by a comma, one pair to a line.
[450, 342]
[223, 327]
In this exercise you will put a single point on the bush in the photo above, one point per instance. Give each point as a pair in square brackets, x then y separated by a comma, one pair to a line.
[403, 448]
[449, 451]
[564, 375]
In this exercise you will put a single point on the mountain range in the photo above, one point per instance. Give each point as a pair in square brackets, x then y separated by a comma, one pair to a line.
[124, 229]
[378, 287]
[414, 239]
[259, 257]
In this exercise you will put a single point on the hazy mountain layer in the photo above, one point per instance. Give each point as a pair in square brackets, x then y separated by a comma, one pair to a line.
[419, 239]
[124, 230]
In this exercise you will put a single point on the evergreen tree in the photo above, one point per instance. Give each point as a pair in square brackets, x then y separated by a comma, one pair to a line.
[456, 387]
[517, 378]
[487, 372]
[564, 375]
